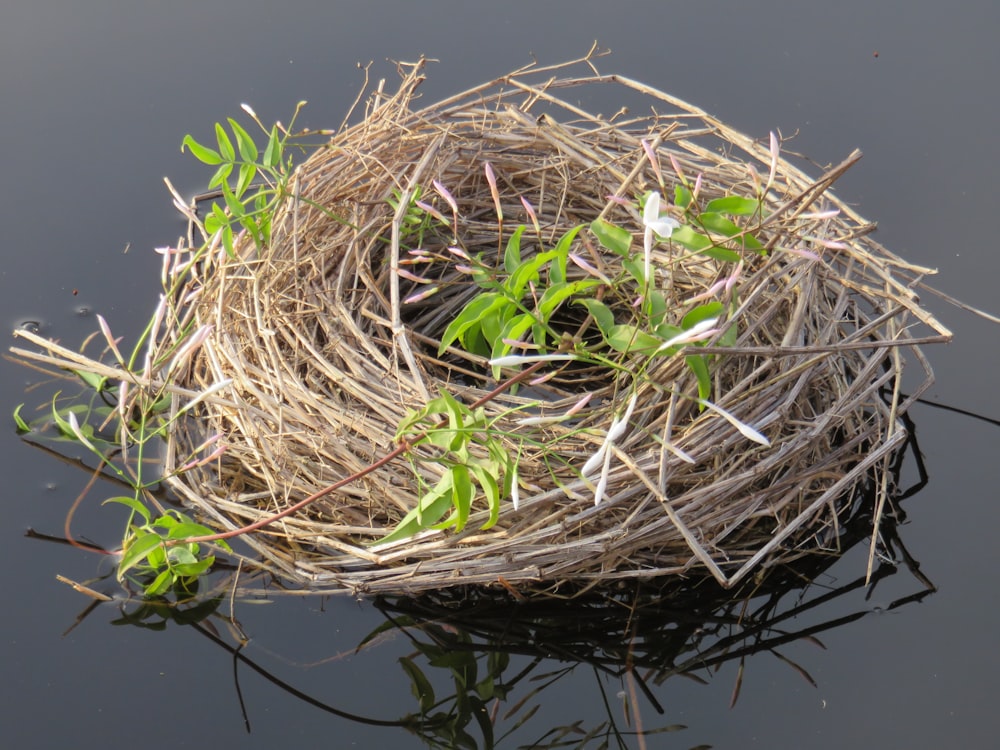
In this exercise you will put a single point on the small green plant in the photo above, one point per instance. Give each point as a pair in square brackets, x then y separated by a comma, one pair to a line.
[158, 566]
[261, 177]
[152, 552]
[123, 419]
[449, 433]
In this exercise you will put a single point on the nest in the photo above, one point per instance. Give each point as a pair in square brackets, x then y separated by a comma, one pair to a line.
[327, 359]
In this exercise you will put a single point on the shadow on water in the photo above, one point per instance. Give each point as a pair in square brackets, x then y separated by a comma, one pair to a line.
[481, 665]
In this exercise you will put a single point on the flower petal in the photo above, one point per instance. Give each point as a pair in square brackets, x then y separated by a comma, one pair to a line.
[651, 211]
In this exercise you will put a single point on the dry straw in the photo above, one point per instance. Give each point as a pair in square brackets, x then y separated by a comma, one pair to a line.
[325, 359]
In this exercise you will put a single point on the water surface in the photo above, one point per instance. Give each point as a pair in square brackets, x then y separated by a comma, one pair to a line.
[96, 101]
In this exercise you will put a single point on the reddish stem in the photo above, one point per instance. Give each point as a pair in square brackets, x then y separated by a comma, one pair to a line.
[394, 453]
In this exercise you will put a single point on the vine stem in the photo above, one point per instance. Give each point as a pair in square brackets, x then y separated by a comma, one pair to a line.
[396, 452]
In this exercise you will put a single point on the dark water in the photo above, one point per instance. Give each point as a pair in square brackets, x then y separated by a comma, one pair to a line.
[95, 103]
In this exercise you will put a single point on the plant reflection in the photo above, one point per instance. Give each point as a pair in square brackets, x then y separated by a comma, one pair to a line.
[482, 666]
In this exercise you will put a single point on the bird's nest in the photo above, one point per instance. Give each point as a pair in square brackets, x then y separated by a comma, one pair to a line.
[330, 336]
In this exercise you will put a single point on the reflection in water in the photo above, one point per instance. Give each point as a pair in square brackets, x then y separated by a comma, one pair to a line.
[481, 666]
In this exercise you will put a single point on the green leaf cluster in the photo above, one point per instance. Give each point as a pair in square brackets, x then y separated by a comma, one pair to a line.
[239, 163]
[712, 231]
[154, 550]
[450, 433]
[518, 304]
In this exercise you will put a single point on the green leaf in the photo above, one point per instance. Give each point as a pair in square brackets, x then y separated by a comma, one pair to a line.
[657, 307]
[225, 145]
[513, 331]
[731, 334]
[561, 253]
[247, 173]
[185, 529]
[97, 382]
[686, 236]
[682, 196]
[248, 149]
[131, 503]
[628, 338]
[212, 222]
[721, 225]
[161, 584]
[614, 238]
[666, 332]
[601, 313]
[463, 492]
[734, 205]
[750, 242]
[473, 313]
[194, 569]
[420, 686]
[138, 550]
[232, 202]
[700, 243]
[253, 227]
[697, 365]
[181, 556]
[272, 154]
[22, 426]
[512, 255]
[221, 175]
[491, 489]
[636, 269]
[63, 425]
[201, 153]
[556, 294]
[227, 241]
[166, 521]
[456, 414]
[429, 510]
[493, 325]
[700, 313]
[528, 272]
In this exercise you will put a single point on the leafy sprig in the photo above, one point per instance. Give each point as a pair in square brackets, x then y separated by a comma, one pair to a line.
[247, 203]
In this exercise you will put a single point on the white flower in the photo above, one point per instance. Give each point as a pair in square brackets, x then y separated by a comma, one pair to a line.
[602, 457]
[698, 332]
[654, 224]
[514, 360]
[663, 226]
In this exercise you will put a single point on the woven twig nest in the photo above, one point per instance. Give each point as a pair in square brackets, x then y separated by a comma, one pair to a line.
[327, 360]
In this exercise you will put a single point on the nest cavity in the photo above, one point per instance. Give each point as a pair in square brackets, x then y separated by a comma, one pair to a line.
[327, 357]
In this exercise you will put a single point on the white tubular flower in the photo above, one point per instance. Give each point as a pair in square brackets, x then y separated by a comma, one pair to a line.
[514, 360]
[662, 226]
[654, 225]
[602, 457]
[698, 332]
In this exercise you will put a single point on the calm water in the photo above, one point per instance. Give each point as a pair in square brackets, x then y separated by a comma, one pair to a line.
[95, 103]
